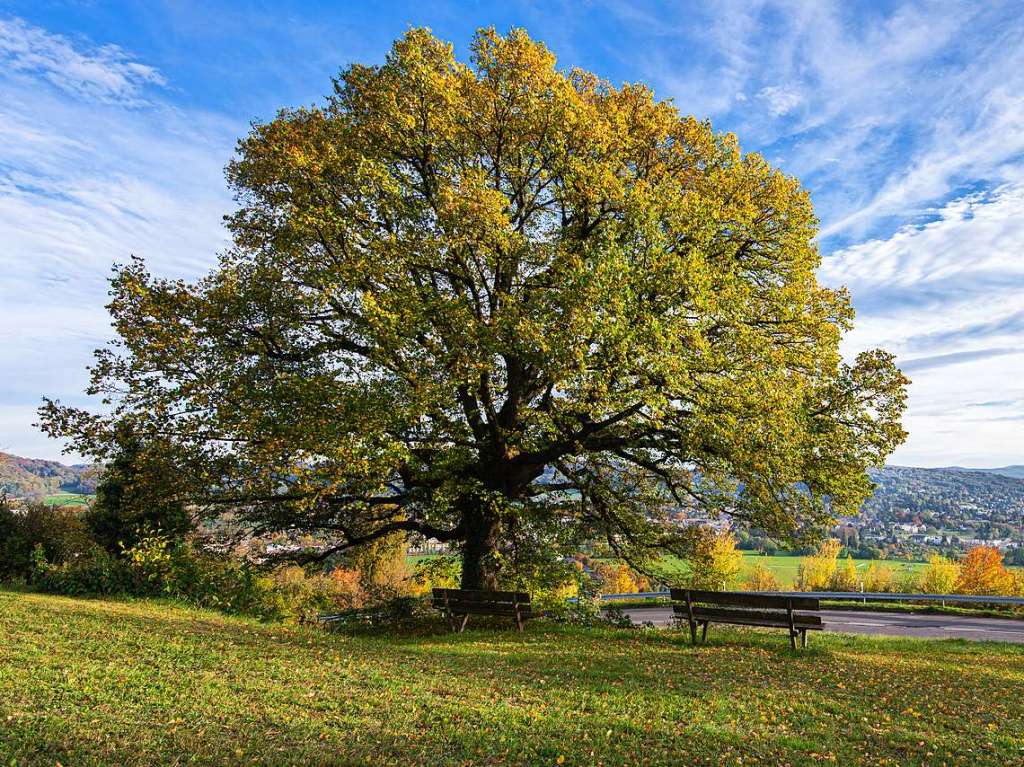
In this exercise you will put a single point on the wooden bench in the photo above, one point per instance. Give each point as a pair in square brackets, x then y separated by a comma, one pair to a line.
[461, 603]
[699, 608]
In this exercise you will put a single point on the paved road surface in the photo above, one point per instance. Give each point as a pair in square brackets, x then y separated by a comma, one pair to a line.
[888, 624]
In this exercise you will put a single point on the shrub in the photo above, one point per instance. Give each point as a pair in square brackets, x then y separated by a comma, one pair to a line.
[982, 572]
[383, 568]
[584, 611]
[59, 533]
[96, 573]
[178, 570]
[715, 562]
[761, 578]
[302, 595]
[845, 578]
[878, 579]
[443, 572]
[816, 571]
[1018, 583]
[940, 577]
[618, 579]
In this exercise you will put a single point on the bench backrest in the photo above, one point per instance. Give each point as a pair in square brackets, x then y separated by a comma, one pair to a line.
[747, 599]
[480, 600]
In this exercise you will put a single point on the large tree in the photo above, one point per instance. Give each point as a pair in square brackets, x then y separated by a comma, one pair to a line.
[496, 303]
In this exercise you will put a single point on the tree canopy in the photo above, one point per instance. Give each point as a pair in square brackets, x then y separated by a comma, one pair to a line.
[496, 304]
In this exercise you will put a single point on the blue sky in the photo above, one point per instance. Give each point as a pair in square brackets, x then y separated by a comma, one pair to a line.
[905, 120]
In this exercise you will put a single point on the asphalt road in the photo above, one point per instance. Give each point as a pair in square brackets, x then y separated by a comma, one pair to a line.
[887, 624]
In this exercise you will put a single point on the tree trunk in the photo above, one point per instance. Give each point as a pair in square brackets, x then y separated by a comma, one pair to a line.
[479, 565]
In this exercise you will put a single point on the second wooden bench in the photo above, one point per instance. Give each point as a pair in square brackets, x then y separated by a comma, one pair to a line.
[699, 608]
[459, 604]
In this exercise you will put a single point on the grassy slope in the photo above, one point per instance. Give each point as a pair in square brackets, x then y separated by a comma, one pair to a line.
[138, 683]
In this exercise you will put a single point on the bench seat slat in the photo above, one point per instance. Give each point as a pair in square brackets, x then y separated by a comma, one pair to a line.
[770, 624]
[721, 615]
[478, 610]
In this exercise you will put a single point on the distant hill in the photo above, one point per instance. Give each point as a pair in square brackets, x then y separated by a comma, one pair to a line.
[31, 477]
[953, 497]
[947, 498]
[1017, 472]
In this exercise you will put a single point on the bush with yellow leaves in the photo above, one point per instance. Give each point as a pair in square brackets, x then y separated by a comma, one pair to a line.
[815, 572]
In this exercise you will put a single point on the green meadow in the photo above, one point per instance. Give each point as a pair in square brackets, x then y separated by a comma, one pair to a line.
[90, 682]
[68, 499]
[786, 566]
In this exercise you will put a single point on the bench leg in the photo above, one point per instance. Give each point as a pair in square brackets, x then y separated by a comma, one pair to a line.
[792, 638]
[704, 632]
[803, 638]
[463, 626]
[693, 632]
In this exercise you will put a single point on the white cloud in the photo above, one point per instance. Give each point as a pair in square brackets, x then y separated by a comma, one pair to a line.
[780, 99]
[946, 298]
[105, 73]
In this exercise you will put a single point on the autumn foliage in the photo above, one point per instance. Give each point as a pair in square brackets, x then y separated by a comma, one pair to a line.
[715, 563]
[982, 572]
[761, 578]
[815, 572]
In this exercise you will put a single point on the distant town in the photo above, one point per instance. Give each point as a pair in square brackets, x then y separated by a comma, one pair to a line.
[913, 513]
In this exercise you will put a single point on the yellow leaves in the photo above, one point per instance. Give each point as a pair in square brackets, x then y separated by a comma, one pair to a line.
[982, 572]
[715, 561]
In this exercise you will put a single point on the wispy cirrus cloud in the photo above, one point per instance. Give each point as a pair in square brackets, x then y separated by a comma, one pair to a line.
[881, 111]
[954, 358]
[106, 73]
[92, 171]
[945, 296]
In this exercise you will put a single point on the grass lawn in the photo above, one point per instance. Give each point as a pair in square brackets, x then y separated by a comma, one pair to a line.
[785, 566]
[94, 682]
[68, 499]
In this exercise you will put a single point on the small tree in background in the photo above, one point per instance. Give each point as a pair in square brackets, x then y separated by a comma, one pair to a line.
[982, 572]
[619, 579]
[761, 578]
[940, 576]
[136, 496]
[715, 562]
[383, 567]
[816, 571]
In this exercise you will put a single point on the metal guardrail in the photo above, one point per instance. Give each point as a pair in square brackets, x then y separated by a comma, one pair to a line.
[854, 596]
